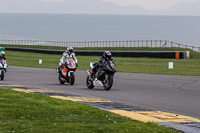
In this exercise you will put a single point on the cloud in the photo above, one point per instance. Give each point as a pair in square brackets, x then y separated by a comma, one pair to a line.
[150, 4]
[145, 7]
[53, 0]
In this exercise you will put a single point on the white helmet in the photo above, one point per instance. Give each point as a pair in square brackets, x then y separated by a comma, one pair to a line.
[2, 53]
[70, 49]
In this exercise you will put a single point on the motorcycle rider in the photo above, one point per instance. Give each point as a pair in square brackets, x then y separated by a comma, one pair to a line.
[66, 55]
[106, 56]
[2, 57]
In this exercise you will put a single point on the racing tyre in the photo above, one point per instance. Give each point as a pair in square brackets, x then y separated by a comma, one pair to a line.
[60, 81]
[109, 83]
[2, 74]
[72, 78]
[89, 83]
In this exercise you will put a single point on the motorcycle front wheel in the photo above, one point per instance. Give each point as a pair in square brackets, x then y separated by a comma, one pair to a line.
[108, 83]
[2, 74]
[71, 78]
[89, 83]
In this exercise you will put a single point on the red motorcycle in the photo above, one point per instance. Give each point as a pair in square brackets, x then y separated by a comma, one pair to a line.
[67, 74]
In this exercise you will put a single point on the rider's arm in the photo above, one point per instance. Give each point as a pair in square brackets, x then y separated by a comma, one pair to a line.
[62, 60]
[112, 60]
[101, 61]
[74, 58]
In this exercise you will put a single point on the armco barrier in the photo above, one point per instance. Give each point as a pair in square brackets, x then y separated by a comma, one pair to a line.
[149, 54]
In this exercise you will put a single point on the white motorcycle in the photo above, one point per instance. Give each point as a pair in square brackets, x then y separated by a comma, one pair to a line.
[3, 68]
[67, 74]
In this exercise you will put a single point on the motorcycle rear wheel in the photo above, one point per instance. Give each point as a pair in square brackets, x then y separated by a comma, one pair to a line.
[89, 83]
[60, 81]
[108, 85]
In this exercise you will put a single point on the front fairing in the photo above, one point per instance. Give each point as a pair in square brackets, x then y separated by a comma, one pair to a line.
[109, 66]
[70, 64]
[71, 67]
[3, 64]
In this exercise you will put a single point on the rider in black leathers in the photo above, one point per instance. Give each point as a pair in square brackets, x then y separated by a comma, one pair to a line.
[106, 56]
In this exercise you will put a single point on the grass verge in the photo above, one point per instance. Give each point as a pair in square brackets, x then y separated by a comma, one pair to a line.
[27, 112]
[193, 54]
[189, 67]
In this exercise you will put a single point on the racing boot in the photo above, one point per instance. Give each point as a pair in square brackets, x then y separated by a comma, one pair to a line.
[58, 69]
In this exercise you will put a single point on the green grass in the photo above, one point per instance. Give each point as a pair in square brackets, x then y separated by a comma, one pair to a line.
[33, 113]
[189, 67]
[193, 54]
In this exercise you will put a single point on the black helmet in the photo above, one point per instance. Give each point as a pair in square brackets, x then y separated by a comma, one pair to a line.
[107, 54]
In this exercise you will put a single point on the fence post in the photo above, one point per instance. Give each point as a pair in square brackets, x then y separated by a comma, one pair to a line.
[130, 45]
[134, 43]
[186, 46]
[66, 44]
[165, 43]
[160, 43]
[146, 43]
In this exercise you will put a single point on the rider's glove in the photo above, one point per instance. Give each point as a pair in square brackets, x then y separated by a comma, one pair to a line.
[102, 65]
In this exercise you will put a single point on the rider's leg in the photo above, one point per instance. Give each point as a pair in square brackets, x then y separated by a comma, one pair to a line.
[59, 69]
[93, 71]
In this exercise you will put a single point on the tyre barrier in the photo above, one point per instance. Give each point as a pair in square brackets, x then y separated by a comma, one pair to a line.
[148, 54]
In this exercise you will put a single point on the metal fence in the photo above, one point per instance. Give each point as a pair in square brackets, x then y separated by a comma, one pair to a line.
[82, 44]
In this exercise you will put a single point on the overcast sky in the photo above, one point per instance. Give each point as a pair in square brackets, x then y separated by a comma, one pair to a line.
[136, 7]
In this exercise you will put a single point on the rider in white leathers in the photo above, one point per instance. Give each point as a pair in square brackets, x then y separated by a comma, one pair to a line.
[66, 55]
[3, 58]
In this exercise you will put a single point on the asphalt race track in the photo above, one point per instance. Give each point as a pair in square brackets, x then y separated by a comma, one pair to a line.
[176, 94]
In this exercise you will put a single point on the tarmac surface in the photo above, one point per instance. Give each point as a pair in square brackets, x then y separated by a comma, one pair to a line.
[134, 92]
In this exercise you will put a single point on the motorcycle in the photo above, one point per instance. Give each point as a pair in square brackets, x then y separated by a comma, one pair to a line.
[67, 74]
[3, 68]
[103, 77]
